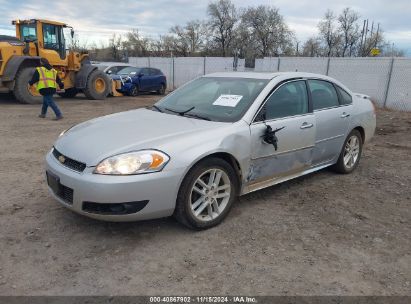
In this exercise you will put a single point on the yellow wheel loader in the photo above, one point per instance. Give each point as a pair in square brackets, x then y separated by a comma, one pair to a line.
[35, 39]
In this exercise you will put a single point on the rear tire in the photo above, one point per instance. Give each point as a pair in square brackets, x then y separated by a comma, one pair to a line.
[350, 153]
[69, 93]
[162, 89]
[21, 87]
[203, 211]
[98, 85]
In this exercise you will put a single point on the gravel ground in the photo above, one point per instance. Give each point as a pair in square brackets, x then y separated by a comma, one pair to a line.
[322, 234]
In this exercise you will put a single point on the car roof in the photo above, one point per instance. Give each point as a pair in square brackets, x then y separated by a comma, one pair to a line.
[278, 75]
[111, 64]
[267, 75]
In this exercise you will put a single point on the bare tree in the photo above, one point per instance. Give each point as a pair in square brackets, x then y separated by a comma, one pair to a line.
[223, 20]
[312, 47]
[135, 44]
[190, 38]
[329, 33]
[267, 27]
[115, 44]
[350, 30]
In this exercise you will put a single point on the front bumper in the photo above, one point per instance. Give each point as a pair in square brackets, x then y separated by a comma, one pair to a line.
[159, 189]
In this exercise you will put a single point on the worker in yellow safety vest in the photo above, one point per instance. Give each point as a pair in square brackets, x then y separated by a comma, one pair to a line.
[47, 80]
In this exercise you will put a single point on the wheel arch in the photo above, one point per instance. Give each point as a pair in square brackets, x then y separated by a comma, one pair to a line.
[362, 132]
[16, 63]
[228, 157]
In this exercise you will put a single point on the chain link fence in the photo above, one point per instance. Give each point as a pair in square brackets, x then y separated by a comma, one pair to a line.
[180, 70]
[386, 80]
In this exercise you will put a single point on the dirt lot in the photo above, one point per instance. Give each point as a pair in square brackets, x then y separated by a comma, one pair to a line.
[320, 234]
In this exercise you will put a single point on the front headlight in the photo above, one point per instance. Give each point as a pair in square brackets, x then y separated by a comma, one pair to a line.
[138, 162]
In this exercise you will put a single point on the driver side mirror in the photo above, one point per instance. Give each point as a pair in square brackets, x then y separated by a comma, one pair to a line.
[140, 74]
[72, 33]
[109, 72]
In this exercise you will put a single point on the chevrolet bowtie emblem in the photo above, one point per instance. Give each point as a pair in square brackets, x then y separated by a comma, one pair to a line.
[62, 159]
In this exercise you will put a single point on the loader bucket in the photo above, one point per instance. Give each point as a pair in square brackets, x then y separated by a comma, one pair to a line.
[115, 87]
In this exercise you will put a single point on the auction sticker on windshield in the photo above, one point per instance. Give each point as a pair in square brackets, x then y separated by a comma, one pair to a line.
[228, 100]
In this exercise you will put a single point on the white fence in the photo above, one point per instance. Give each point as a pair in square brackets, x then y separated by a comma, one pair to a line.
[180, 70]
[386, 80]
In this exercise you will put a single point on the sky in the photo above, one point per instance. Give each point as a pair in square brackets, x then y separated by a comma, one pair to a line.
[96, 20]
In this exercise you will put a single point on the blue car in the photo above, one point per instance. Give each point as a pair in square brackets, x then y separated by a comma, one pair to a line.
[135, 80]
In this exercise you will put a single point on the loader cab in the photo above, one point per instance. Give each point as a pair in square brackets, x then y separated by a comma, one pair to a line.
[53, 39]
[47, 36]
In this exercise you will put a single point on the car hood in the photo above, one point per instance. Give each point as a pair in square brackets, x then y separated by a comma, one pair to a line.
[96, 139]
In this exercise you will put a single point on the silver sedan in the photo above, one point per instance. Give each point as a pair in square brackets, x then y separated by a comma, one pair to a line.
[220, 136]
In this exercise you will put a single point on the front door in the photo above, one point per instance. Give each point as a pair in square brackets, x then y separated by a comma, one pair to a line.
[286, 108]
[53, 45]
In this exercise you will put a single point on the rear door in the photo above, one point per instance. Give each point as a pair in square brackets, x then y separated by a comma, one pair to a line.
[332, 119]
[288, 108]
[157, 79]
[145, 80]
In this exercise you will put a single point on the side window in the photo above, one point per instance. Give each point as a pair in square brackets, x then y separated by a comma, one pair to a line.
[146, 71]
[345, 97]
[323, 94]
[50, 34]
[288, 100]
[28, 32]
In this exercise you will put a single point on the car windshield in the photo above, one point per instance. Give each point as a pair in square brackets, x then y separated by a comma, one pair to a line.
[128, 71]
[215, 98]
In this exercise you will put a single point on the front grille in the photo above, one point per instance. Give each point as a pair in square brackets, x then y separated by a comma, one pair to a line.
[66, 194]
[69, 162]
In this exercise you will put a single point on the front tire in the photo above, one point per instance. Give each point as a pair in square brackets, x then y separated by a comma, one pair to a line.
[350, 154]
[134, 91]
[98, 85]
[206, 194]
[22, 91]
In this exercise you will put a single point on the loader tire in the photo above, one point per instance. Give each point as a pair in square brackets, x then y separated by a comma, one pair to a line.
[69, 93]
[22, 90]
[98, 85]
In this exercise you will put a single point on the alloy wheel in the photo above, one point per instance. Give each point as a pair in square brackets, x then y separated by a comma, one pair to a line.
[351, 151]
[210, 194]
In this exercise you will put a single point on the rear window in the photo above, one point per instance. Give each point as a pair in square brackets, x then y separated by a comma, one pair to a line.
[345, 97]
[323, 94]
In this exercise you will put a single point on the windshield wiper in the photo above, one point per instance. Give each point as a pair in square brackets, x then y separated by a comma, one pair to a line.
[157, 108]
[185, 113]
[180, 112]
[198, 116]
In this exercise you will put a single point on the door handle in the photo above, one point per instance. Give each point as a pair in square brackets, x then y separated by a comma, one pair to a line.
[306, 125]
[344, 115]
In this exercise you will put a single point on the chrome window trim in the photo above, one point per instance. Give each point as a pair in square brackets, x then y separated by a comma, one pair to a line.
[281, 118]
